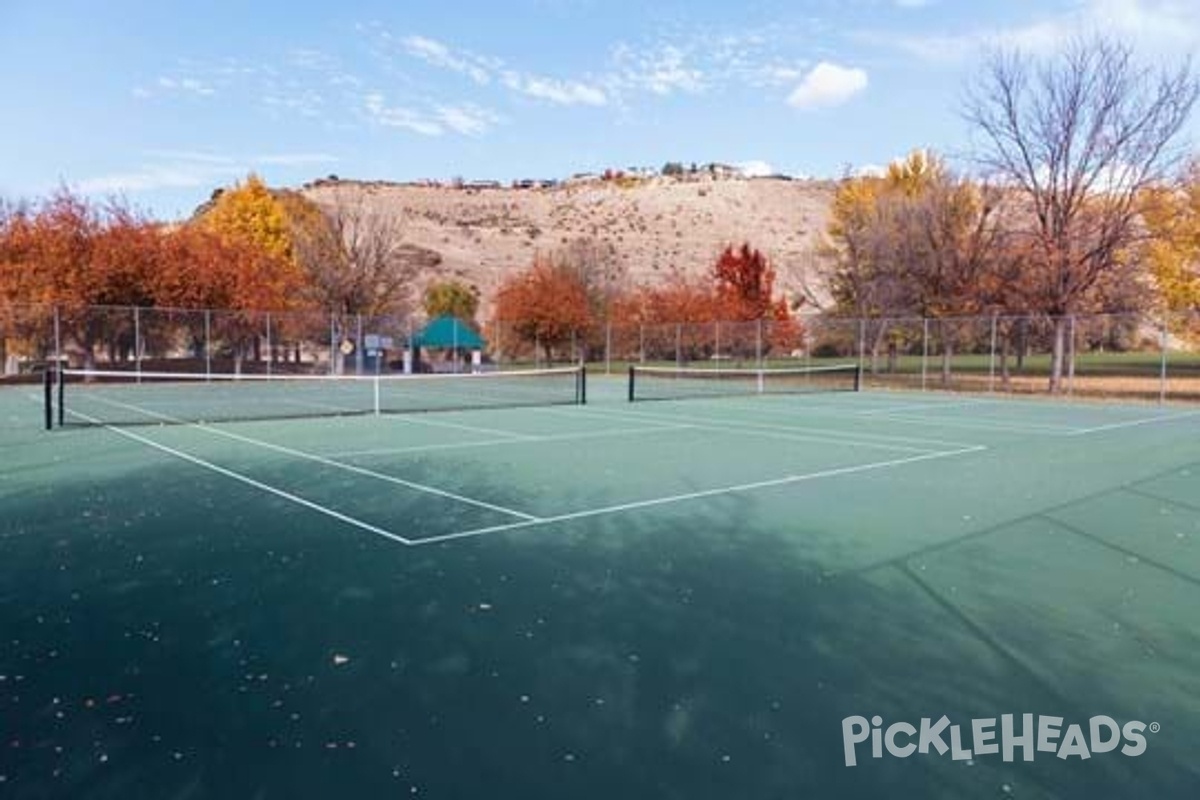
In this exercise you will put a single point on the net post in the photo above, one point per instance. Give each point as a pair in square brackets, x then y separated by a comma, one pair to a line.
[61, 393]
[57, 335]
[858, 373]
[48, 390]
[375, 381]
[631, 383]
[581, 393]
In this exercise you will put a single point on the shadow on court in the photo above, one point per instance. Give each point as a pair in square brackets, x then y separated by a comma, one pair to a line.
[171, 633]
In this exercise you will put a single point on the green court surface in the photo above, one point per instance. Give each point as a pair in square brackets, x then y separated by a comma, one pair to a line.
[678, 599]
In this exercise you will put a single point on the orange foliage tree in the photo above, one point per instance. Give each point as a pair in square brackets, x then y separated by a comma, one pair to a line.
[545, 306]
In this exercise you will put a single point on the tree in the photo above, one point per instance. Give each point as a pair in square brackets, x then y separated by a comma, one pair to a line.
[546, 305]
[451, 298]
[364, 265]
[1172, 248]
[1080, 136]
[744, 283]
[250, 221]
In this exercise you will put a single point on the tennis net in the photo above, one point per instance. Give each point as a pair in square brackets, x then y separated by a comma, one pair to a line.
[669, 383]
[105, 397]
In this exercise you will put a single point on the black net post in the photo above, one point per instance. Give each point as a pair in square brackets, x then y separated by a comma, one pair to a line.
[858, 378]
[631, 383]
[48, 390]
[61, 378]
[582, 393]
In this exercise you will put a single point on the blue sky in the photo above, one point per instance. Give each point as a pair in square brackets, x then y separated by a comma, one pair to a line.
[163, 101]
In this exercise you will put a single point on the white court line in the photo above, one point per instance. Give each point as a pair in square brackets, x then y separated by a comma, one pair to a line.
[1134, 423]
[787, 413]
[680, 498]
[917, 407]
[771, 431]
[237, 476]
[420, 487]
[984, 424]
[538, 439]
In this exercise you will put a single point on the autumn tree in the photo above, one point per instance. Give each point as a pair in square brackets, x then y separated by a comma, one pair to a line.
[76, 255]
[1080, 136]
[451, 298]
[744, 291]
[1171, 215]
[545, 305]
[372, 268]
[917, 241]
[251, 221]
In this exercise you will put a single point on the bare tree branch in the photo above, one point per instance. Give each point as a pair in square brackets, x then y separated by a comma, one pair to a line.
[1080, 136]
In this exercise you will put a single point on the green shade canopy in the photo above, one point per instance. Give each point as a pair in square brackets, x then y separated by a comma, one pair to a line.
[447, 332]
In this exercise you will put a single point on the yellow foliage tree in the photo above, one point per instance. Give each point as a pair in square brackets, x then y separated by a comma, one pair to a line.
[1172, 219]
[249, 217]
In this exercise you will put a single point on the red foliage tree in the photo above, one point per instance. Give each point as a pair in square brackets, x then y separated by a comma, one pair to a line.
[744, 282]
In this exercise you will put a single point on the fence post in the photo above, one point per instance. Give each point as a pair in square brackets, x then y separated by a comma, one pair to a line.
[334, 352]
[358, 350]
[758, 348]
[992, 358]
[499, 347]
[862, 342]
[270, 345]
[1162, 367]
[678, 345]
[924, 351]
[1071, 353]
[608, 347]
[137, 343]
[208, 343]
[717, 345]
[642, 342]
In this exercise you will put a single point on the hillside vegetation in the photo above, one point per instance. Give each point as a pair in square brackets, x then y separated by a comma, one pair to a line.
[655, 226]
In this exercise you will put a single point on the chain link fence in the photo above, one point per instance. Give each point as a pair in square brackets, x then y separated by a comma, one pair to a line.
[1120, 356]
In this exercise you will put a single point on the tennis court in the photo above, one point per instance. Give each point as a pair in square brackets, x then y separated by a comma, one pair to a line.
[671, 599]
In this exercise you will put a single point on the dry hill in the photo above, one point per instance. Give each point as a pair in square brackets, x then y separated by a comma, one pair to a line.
[482, 233]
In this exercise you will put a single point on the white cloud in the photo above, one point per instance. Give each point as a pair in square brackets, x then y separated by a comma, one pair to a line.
[185, 85]
[438, 54]
[828, 85]
[295, 159]
[661, 69]
[755, 168]
[560, 92]
[190, 169]
[399, 117]
[468, 120]
[1157, 25]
